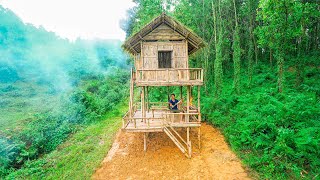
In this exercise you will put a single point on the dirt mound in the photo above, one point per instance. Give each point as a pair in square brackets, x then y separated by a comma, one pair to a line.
[163, 160]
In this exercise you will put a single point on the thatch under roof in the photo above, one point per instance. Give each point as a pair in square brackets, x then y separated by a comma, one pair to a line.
[133, 44]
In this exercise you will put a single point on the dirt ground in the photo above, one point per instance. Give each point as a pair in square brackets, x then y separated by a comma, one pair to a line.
[163, 160]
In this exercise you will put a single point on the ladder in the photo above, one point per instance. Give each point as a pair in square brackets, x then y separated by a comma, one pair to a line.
[185, 147]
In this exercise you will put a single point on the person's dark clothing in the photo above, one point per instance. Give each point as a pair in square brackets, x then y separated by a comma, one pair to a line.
[174, 104]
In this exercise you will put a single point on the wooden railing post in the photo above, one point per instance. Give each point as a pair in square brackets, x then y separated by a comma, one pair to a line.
[188, 103]
[188, 75]
[199, 113]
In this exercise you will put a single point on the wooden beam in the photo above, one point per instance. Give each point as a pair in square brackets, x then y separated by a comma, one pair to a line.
[145, 141]
[188, 103]
[181, 97]
[131, 95]
[147, 97]
[142, 60]
[199, 99]
[143, 110]
[199, 117]
[168, 97]
[199, 137]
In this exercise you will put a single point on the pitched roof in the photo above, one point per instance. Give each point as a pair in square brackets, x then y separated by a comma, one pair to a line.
[132, 44]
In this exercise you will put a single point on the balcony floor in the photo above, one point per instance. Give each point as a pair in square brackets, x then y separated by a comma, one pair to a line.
[156, 124]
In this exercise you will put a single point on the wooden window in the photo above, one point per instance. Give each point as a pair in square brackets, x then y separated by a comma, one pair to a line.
[164, 59]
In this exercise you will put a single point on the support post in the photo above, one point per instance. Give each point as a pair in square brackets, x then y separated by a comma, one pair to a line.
[145, 141]
[168, 97]
[187, 119]
[188, 134]
[131, 96]
[199, 117]
[181, 104]
[188, 103]
[188, 142]
[180, 92]
[199, 112]
[199, 138]
[143, 109]
[147, 98]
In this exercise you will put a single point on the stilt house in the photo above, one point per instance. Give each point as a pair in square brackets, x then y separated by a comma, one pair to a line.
[161, 50]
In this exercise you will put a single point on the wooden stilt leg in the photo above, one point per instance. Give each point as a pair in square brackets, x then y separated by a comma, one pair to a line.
[188, 141]
[143, 103]
[145, 141]
[147, 98]
[188, 103]
[188, 134]
[199, 138]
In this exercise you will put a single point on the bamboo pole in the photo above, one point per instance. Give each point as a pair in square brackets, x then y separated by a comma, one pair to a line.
[145, 141]
[199, 117]
[142, 61]
[188, 103]
[199, 108]
[181, 97]
[188, 142]
[168, 96]
[199, 137]
[143, 102]
[187, 116]
[147, 97]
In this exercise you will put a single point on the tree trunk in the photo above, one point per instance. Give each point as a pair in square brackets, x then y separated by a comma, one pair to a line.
[280, 62]
[236, 53]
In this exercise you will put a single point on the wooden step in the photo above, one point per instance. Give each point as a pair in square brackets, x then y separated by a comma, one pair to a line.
[176, 142]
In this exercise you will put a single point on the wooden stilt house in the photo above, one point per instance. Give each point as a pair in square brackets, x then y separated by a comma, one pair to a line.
[161, 50]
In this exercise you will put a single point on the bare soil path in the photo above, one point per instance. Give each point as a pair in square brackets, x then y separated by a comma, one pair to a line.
[163, 160]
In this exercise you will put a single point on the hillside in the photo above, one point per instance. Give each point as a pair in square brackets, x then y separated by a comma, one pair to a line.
[51, 88]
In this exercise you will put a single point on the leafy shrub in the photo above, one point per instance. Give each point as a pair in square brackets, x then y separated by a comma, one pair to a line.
[86, 104]
[276, 134]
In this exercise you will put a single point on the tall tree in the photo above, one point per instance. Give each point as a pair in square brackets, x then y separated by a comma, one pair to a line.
[236, 52]
[218, 72]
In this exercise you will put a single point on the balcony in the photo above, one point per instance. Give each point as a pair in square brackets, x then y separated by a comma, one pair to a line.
[159, 116]
[168, 77]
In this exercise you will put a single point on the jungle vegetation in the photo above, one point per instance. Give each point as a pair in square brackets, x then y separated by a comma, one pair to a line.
[262, 71]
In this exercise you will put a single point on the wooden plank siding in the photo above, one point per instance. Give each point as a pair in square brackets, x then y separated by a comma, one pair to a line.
[163, 32]
[149, 60]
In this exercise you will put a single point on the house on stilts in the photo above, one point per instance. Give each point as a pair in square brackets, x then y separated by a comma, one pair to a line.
[161, 51]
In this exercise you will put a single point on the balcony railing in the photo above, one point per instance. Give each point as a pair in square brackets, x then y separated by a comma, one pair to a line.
[169, 76]
[159, 116]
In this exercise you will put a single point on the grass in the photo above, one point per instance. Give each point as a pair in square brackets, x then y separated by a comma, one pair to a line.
[21, 100]
[80, 155]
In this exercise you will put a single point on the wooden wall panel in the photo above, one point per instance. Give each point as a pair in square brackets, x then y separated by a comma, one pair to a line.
[163, 32]
[150, 54]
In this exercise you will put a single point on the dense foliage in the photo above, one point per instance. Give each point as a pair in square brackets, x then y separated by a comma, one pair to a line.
[261, 76]
[51, 87]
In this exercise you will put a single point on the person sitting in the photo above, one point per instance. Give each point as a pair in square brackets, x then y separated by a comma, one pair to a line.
[174, 103]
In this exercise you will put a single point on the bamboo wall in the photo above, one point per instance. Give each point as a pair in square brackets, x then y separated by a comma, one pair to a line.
[148, 60]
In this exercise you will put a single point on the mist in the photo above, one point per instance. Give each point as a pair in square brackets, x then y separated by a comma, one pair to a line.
[32, 54]
[50, 86]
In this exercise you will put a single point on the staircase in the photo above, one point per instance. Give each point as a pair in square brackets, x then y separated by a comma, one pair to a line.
[185, 147]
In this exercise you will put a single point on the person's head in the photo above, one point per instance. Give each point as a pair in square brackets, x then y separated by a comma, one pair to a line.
[173, 96]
